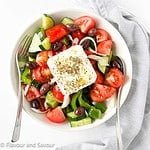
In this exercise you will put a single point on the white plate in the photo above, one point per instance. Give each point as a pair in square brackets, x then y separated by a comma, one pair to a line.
[121, 51]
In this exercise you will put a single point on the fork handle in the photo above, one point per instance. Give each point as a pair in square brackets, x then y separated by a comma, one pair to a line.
[118, 127]
[17, 127]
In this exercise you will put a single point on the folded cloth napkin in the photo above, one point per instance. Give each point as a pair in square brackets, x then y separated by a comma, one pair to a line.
[135, 113]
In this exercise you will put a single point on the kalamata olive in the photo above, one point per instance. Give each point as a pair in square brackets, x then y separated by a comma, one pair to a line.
[72, 27]
[35, 104]
[92, 32]
[31, 65]
[80, 111]
[85, 44]
[57, 46]
[44, 88]
[116, 62]
[42, 101]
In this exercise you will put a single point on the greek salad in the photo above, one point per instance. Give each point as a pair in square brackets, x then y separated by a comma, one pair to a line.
[70, 70]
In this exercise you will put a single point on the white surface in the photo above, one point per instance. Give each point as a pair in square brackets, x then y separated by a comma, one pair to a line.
[15, 15]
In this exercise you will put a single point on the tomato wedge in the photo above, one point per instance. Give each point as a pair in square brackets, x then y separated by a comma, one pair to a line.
[56, 115]
[43, 56]
[105, 47]
[41, 74]
[100, 93]
[102, 35]
[85, 23]
[56, 33]
[114, 78]
[57, 93]
[100, 78]
[32, 93]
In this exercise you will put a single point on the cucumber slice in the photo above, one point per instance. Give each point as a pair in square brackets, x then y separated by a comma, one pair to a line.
[41, 47]
[47, 22]
[73, 117]
[103, 63]
[110, 56]
[46, 44]
[36, 84]
[95, 113]
[51, 100]
[36, 41]
[67, 20]
[81, 122]
[41, 33]
[102, 68]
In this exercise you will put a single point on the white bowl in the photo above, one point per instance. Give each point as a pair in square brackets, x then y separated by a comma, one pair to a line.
[121, 51]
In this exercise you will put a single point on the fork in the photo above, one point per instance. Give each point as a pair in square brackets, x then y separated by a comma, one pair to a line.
[20, 53]
[118, 127]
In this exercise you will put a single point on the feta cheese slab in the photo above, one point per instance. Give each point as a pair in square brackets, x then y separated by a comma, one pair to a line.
[72, 70]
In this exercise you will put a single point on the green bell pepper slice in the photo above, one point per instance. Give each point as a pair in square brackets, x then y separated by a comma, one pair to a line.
[101, 106]
[94, 113]
[74, 100]
[82, 102]
[26, 76]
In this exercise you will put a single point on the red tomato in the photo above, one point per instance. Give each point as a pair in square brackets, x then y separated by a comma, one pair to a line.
[105, 47]
[57, 93]
[85, 23]
[100, 78]
[56, 115]
[56, 33]
[42, 57]
[100, 93]
[114, 78]
[78, 34]
[41, 74]
[50, 53]
[32, 93]
[102, 35]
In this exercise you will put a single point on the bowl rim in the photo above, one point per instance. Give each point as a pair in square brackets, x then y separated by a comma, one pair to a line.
[27, 26]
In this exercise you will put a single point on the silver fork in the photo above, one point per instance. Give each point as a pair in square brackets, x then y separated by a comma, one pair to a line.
[20, 52]
[118, 127]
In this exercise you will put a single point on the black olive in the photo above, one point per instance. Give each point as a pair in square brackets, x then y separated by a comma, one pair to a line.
[80, 111]
[31, 65]
[116, 62]
[42, 101]
[72, 27]
[57, 46]
[92, 32]
[85, 44]
[35, 104]
[44, 88]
